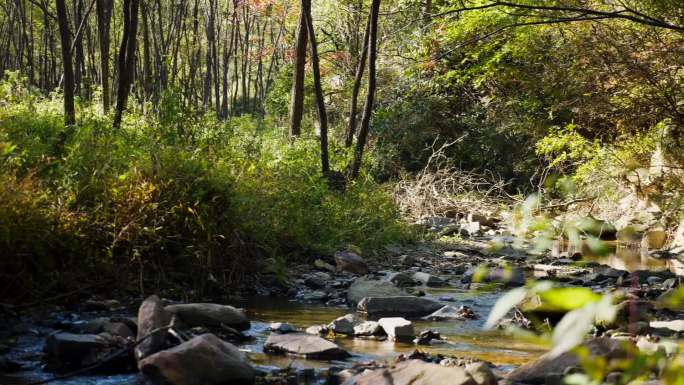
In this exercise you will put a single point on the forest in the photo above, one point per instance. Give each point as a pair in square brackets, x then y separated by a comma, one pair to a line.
[295, 192]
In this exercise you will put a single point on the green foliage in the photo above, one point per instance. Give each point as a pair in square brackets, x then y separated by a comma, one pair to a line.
[175, 197]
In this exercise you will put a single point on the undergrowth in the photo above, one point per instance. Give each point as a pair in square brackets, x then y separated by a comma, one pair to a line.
[176, 198]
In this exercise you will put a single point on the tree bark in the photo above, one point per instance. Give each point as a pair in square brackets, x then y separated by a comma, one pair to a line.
[297, 98]
[351, 129]
[320, 101]
[368, 106]
[104, 12]
[68, 83]
[126, 57]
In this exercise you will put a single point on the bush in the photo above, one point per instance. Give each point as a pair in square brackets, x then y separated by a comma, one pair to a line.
[180, 199]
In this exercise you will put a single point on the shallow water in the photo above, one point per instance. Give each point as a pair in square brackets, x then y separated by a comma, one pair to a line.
[464, 338]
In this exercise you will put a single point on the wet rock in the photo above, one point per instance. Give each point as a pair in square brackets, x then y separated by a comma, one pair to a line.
[426, 336]
[210, 314]
[536, 372]
[367, 329]
[643, 275]
[406, 306]
[416, 372]
[204, 360]
[116, 327]
[350, 262]
[451, 312]
[151, 318]
[397, 328]
[402, 279]
[73, 351]
[427, 279]
[282, 327]
[317, 280]
[366, 287]
[312, 296]
[317, 330]
[305, 345]
[343, 325]
[481, 373]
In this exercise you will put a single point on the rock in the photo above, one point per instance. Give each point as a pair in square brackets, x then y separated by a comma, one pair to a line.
[73, 351]
[449, 312]
[481, 373]
[151, 317]
[210, 314]
[426, 336]
[323, 265]
[343, 325]
[482, 220]
[313, 295]
[402, 279]
[537, 371]
[406, 260]
[416, 372]
[350, 262]
[655, 239]
[427, 279]
[106, 305]
[406, 306]
[116, 327]
[644, 275]
[282, 327]
[203, 360]
[368, 328]
[397, 328]
[676, 326]
[317, 280]
[471, 229]
[365, 287]
[451, 229]
[317, 330]
[305, 345]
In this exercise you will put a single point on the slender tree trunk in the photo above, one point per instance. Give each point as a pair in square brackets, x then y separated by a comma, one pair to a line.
[297, 98]
[351, 129]
[68, 83]
[126, 57]
[368, 106]
[320, 101]
[104, 12]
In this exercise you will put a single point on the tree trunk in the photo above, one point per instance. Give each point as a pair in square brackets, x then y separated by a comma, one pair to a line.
[368, 106]
[104, 12]
[68, 83]
[126, 57]
[320, 101]
[297, 98]
[351, 129]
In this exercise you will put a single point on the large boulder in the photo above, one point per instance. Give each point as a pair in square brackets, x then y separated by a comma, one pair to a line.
[481, 373]
[365, 287]
[152, 318]
[204, 360]
[210, 314]
[547, 366]
[397, 328]
[406, 306]
[350, 262]
[304, 345]
[416, 372]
